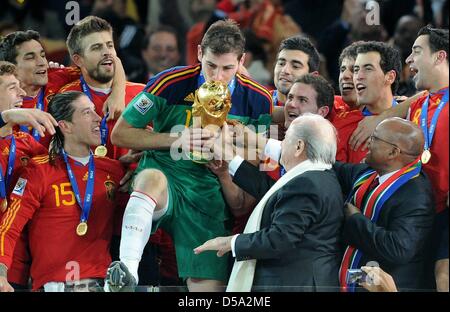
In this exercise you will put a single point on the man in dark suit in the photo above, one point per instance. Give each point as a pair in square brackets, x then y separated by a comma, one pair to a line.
[291, 241]
[388, 222]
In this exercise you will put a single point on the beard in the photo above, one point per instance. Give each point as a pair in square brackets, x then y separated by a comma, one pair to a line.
[100, 76]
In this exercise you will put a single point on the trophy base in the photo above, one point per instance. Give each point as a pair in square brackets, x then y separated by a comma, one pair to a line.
[197, 158]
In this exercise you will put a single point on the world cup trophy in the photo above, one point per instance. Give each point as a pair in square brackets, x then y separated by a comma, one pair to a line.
[211, 106]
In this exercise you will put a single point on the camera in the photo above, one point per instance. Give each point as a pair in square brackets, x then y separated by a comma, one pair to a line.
[356, 276]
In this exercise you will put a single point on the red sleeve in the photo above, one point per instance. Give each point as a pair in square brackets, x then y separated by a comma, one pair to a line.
[59, 77]
[24, 201]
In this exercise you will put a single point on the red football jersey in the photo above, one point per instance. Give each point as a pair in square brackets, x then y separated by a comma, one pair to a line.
[437, 167]
[26, 148]
[345, 123]
[43, 197]
[98, 98]
[57, 78]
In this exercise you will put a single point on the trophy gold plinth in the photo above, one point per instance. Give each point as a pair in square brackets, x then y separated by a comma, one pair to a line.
[211, 106]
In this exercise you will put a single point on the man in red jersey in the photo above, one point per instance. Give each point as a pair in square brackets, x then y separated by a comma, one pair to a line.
[429, 64]
[68, 198]
[91, 47]
[16, 148]
[90, 43]
[23, 48]
[347, 113]
[375, 79]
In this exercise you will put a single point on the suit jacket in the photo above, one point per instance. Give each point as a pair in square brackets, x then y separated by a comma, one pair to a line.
[298, 241]
[397, 241]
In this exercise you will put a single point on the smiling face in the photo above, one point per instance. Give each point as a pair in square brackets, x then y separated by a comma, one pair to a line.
[369, 78]
[32, 64]
[291, 64]
[85, 125]
[420, 62]
[12, 94]
[302, 98]
[97, 58]
[346, 85]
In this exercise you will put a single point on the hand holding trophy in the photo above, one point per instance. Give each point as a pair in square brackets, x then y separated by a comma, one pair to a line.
[211, 106]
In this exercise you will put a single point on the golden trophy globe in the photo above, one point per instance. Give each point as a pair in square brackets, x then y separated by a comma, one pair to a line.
[211, 106]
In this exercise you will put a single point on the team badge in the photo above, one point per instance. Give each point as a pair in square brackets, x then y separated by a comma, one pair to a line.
[19, 189]
[143, 103]
[110, 187]
[24, 160]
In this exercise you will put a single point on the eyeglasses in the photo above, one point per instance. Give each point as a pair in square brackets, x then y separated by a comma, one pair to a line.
[373, 137]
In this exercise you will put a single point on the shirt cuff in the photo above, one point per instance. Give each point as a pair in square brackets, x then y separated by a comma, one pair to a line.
[408, 115]
[233, 242]
[234, 164]
[273, 149]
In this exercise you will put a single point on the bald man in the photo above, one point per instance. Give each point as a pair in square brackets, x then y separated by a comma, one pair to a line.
[292, 237]
[389, 211]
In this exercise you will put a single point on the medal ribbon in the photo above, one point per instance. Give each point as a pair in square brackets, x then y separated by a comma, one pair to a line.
[371, 208]
[86, 207]
[104, 129]
[429, 133]
[231, 84]
[282, 171]
[275, 98]
[103, 125]
[40, 106]
[4, 180]
[85, 88]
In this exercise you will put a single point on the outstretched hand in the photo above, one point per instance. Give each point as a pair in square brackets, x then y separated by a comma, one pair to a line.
[221, 244]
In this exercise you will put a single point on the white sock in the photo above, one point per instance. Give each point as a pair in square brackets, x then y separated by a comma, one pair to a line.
[136, 229]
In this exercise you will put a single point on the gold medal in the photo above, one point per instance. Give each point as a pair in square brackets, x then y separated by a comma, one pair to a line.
[101, 151]
[82, 229]
[4, 205]
[426, 155]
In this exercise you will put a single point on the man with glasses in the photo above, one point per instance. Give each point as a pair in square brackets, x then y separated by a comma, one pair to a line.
[429, 64]
[389, 212]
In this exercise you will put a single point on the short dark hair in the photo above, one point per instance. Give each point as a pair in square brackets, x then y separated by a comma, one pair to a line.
[160, 28]
[222, 37]
[305, 45]
[7, 68]
[437, 37]
[85, 27]
[350, 51]
[8, 45]
[61, 108]
[390, 58]
[325, 92]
